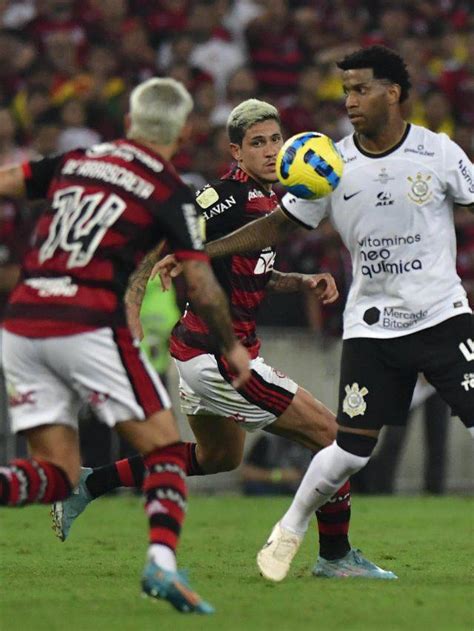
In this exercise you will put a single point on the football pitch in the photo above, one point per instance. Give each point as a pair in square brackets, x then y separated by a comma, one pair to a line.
[91, 582]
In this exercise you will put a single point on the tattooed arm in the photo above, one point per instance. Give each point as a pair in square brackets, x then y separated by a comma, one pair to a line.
[207, 299]
[256, 235]
[136, 290]
[322, 285]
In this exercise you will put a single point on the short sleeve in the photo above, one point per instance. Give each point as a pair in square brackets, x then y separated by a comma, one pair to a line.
[39, 174]
[308, 213]
[459, 174]
[183, 225]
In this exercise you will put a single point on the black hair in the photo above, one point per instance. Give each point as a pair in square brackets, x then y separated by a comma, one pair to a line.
[385, 64]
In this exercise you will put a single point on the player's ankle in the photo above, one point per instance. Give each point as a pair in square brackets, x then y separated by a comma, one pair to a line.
[332, 547]
[163, 556]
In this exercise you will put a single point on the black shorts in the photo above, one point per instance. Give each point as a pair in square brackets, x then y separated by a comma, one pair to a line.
[378, 376]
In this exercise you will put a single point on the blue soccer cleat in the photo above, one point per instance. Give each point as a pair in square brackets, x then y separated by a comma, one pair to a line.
[173, 587]
[353, 564]
[65, 512]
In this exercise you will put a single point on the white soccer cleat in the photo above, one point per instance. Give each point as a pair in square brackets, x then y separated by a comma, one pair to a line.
[275, 558]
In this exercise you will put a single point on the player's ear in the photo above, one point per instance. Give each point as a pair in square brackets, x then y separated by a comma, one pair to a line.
[235, 151]
[394, 91]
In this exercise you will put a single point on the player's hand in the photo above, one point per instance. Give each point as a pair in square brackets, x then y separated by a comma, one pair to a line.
[323, 286]
[168, 268]
[239, 363]
[132, 312]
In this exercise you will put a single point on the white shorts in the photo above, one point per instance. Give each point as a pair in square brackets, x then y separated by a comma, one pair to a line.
[49, 378]
[205, 388]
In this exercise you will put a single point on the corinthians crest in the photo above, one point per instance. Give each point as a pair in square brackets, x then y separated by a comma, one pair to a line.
[354, 404]
[420, 190]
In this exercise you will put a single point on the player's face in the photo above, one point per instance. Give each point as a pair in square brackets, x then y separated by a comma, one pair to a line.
[258, 153]
[367, 100]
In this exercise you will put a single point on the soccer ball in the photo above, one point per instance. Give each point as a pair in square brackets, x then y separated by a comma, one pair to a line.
[309, 165]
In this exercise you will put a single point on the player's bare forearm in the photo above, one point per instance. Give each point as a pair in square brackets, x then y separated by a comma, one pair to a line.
[139, 278]
[12, 182]
[209, 301]
[285, 283]
[256, 235]
[323, 286]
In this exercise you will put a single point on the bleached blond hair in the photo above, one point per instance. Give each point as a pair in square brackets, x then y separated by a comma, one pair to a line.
[159, 109]
[246, 114]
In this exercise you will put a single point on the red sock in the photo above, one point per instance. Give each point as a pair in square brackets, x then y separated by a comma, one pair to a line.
[165, 493]
[32, 481]
[333, 524]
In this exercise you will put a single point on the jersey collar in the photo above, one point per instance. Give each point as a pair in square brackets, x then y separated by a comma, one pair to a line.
[374, 156]
[239, 175]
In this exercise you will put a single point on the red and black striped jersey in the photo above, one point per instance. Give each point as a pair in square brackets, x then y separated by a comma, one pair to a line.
[107, 206]
[231, 203]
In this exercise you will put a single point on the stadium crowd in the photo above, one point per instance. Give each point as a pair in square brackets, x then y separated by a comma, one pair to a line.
[67, 69]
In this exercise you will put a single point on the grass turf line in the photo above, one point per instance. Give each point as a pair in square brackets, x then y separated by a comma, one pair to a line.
[91, 582]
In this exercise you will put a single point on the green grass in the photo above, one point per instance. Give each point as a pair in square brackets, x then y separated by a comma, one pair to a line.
[90, 583]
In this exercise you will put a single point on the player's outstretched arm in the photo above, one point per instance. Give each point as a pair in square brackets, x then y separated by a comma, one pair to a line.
[136, 290]
[211, 304]
[323, 286]
[256, 235]
[12, 182]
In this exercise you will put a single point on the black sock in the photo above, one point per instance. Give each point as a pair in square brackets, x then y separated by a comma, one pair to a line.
[128, 472]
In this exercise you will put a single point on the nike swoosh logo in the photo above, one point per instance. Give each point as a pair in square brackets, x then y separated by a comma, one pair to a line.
[346, 197]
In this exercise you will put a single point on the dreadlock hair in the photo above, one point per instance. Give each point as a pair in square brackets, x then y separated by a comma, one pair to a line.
[385, 64]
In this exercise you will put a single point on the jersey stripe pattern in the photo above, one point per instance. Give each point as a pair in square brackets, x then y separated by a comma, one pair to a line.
[146, 391]
[237, 200]
[265, 395]
[106, 207]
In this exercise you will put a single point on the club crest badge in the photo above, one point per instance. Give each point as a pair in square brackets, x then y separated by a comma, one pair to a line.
[354, 403]
[420, 191]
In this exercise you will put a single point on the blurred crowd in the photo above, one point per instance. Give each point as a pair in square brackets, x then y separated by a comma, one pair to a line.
[67, 68]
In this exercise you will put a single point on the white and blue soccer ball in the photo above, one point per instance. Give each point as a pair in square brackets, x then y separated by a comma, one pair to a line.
[309, 165]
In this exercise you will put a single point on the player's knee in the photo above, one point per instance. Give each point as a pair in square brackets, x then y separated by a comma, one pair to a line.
[354, 450]
[313, 420]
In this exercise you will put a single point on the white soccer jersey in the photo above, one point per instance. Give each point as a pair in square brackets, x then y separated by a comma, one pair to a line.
[394, 212]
